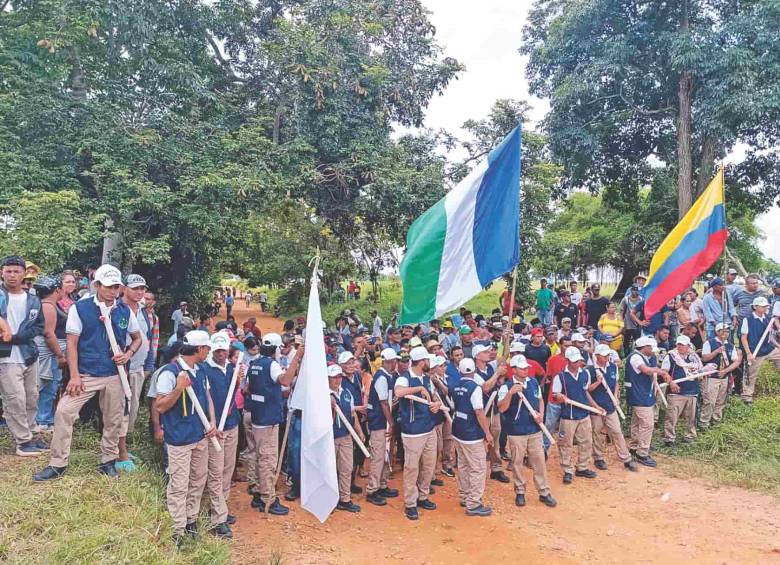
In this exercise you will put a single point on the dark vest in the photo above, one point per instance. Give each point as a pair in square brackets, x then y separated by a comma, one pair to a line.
[641, 392]
[574, 388]
[415, 417]
[517, 419]
[687, 388]
[465, 426]
[756, 328]
[267, 406]
[181, 424]
[94, 349]
[345, 401]
[376, 417]
[599, 394]
[219, 383]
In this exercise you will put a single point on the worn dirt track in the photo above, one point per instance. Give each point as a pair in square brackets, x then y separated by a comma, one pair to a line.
[644, 517]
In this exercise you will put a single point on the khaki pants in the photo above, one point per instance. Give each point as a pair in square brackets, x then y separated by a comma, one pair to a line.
[378, 471]
[19, 391]
[749, 382]
[472, 472]
[267, 453]
[568, 430]
[419, 465]
[680, 405]
[438, 431]
[188, 469]
[714, 393]
[251, 462]
[344, 464]
[112, 404]
[533, 446]
[642, 424]
[495, 431]
[448, 447]
[136, 381]
[220, 473]
[610, 422]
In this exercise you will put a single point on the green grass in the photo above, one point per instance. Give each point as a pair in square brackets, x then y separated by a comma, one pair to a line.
[86, 518]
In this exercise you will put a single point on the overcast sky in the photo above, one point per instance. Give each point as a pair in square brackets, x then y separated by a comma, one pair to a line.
[485, 36]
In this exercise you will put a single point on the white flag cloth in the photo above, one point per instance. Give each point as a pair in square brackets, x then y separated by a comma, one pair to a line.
[311, 395]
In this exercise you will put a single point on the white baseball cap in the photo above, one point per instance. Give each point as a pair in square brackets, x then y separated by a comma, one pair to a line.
[722, 326]
[438, 360]
[108, 275]
[517, 347]
[220, 341]
[197, 338]
[388, 354]
[519, 361]
[415, 342]
[576, 336]
[479, 348]
[602, 349]
[683, 340]
[644, 341]
[760, 301]
[134, 281]
[272, 339]
[419, 353]
[345, 357]
[573, 354]
[334, 371]
[466, 366]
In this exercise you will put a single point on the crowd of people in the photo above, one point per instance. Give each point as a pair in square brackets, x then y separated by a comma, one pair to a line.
[470, 396]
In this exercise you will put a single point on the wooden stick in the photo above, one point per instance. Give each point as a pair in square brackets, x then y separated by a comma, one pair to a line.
[281, 457]
[445, 410]
[198, 408]
[352, 431]
[689, 378]
[489, 403]
[231, 392]
[534, 413]
[659, 391]
[611, 396]
[105, 313]
[584, 406]
[449, 400]
[423, 401]
[388, 437]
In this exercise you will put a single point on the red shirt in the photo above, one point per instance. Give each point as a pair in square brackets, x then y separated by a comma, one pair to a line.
[534, 370]
[555, 365]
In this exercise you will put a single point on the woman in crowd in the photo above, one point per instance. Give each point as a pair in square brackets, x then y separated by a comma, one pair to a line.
[612, 325]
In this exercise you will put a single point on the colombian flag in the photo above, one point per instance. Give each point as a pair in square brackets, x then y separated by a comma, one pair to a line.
[690, 249]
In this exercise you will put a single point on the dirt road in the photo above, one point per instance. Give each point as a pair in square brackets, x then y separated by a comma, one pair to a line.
[644, 517]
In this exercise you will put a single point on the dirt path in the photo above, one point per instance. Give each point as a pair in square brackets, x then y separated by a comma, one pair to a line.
[620, 516]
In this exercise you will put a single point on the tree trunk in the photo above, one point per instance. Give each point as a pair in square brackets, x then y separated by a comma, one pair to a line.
[111, 245]
[626, 281]
[684, 164]
[706, 163]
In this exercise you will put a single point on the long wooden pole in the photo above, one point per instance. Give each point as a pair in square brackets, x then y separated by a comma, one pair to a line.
[231, 391]
[352, 431]
[105, 314]
[584, 406]
[198, 408]
[611, 395]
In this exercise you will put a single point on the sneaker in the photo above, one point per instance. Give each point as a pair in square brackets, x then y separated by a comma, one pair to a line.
[49, 474]
[387, 492]
[587, 473]
[126, 466]
[348, 506]
[567, 478]
[28, 449]
[437, 483]
[688, 440]
[252, 489]
[499, 476]
[375, 499]
[108, 469]
[178, 540]
[292, 494]
[257, 502]
[480, 510]
[630, 465]
[222, 531]
[354, 489]
[646, 460]
[230, 520]
[519, 500]
[426, 504]
[601, 465]
[668, 443]
[448, 472]
[462, 504]
[548, 500]
[42, 445]
[191, 530]
[411, 513]
[277, 509]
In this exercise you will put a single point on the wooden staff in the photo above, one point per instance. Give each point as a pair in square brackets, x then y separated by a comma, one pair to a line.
[690, 378]
[281, 457]
[489, 403]
[198, 408]
[105, 315]
[762, 340]
[611, 395]
[596, 411]
[534, 413]
[388, 436]
[449, 400]
[444, 409]
[231, 392]
[352, 431]
[659, 391]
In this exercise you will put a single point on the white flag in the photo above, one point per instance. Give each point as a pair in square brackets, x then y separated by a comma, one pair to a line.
[311, 395]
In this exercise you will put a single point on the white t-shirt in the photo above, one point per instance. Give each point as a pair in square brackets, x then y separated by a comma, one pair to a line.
[637, 361]
[17, 312]
[477, 403]
[382, 391]
[73, 325]
[576, 298]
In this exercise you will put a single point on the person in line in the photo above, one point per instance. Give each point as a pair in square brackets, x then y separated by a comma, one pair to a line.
[753, 327]
[680, 363]
[489, 377]
[342, 398]
[714, 394]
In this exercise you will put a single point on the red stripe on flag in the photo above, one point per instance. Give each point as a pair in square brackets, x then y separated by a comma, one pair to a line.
[684, 275]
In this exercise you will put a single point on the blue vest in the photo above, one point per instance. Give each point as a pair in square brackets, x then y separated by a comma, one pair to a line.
[376, 417]
[722, 364]
[574, 388]
[415, 417]
[517, 419]
[599, 394]
[453, 376]
[94, 349]
[219, 383]
[688, 388]
[756, 329]
[355, 385]
[465, 426]
[267, 406]
[641, 392]
[181, 424]
[345, 401]
[486, 375]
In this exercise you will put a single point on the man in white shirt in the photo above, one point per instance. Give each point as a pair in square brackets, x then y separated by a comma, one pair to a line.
[576, 297]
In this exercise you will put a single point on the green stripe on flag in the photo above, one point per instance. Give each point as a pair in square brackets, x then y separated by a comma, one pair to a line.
[421, 264]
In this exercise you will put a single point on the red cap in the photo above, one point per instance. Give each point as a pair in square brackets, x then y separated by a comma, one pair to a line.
[537, 331]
